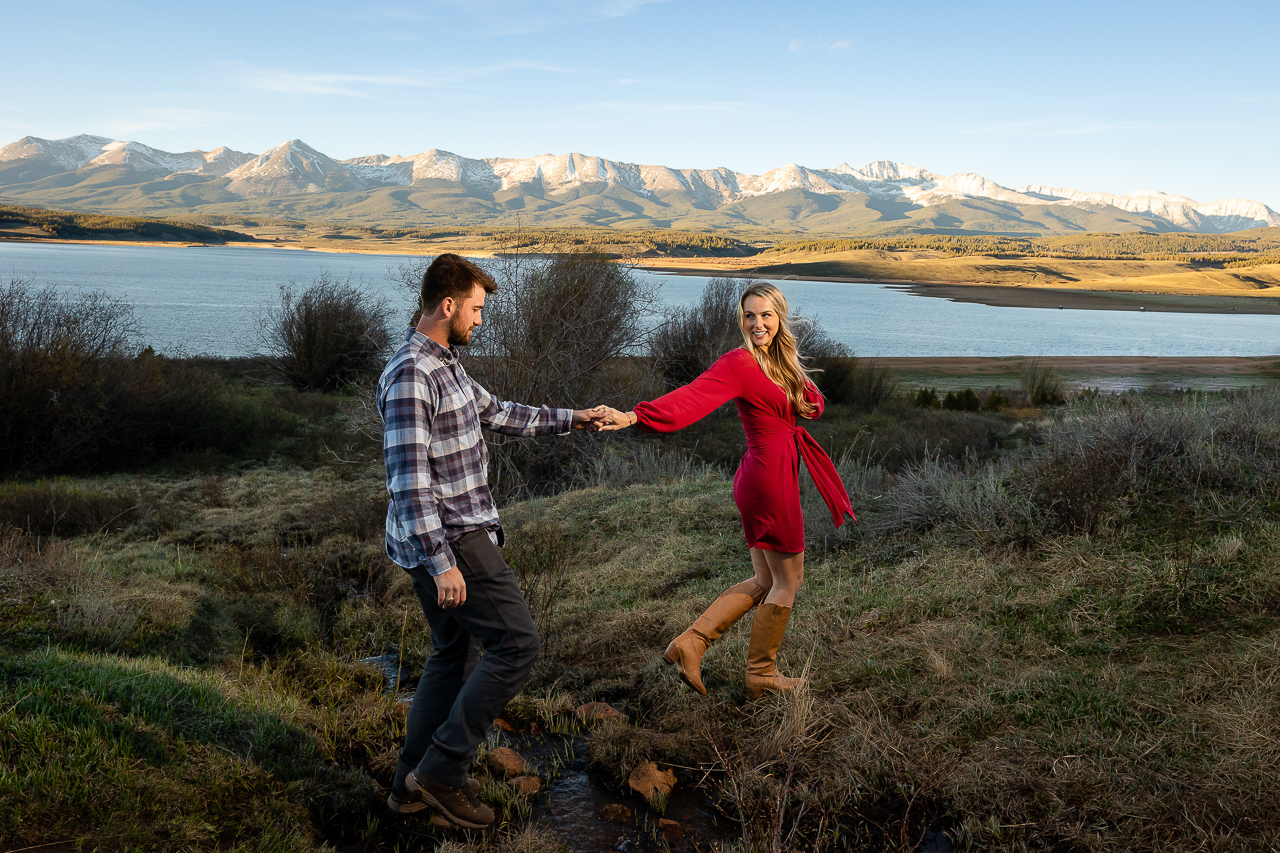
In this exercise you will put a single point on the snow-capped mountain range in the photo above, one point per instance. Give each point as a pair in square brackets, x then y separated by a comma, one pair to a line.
[32, 168]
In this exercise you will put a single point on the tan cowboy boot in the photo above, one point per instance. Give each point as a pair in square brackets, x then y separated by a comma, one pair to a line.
[767, 629]
[687, 649]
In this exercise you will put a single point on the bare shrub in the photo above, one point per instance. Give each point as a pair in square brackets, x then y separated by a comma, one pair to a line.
[980, 501]
[330, 335]
[76, 393]
[1191, 462]
[558, 332]
[1042, 383]
[57, 371]
[691, 338]
[541, 556]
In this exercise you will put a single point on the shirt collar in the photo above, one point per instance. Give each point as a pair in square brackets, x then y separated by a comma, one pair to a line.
[448, 355]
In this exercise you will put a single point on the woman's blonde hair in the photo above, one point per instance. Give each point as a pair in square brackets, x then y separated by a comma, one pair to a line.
[780, 361]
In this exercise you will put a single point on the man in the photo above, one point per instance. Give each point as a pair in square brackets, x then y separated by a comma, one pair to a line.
[442, 527]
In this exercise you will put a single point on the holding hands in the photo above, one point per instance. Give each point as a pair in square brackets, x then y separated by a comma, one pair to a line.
[616, 420]
[602, 419]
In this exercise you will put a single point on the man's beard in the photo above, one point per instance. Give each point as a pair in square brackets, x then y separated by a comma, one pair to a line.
[460, 333]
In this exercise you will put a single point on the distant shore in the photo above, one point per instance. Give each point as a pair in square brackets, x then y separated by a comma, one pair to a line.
[1111, 295]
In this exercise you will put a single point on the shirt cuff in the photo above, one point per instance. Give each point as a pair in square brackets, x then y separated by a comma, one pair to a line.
[441, 562]
[563, 421]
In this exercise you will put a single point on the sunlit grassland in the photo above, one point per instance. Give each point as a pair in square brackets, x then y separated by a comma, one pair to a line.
[1048, 631]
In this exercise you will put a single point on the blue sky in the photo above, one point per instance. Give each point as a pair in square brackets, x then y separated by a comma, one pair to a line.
[1176, 96]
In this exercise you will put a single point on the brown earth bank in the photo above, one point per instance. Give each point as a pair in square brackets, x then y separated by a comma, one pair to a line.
[1106, 373]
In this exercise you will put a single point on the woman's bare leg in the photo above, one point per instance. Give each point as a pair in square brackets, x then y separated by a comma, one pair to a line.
[764, 577]
[783, 572]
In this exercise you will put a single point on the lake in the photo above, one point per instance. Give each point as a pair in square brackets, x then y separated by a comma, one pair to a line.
[207, 300]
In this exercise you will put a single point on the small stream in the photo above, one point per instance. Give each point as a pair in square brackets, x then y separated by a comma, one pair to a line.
[587, 816]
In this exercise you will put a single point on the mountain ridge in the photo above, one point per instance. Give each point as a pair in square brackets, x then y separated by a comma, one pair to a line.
[883, 196]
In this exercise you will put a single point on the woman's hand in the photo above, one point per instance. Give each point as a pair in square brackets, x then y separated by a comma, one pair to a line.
[614, 420]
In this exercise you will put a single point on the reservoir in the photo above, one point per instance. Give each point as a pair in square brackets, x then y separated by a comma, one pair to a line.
[208, 300]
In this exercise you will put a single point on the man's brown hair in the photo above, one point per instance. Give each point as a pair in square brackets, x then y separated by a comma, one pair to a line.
[451, 276]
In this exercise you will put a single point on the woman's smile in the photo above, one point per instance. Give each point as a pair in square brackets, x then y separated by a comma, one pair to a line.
[759, 321]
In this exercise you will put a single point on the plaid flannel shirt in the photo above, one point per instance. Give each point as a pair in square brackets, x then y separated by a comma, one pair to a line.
[437, 462]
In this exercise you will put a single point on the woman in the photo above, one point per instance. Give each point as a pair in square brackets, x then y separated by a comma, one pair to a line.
[766, 380]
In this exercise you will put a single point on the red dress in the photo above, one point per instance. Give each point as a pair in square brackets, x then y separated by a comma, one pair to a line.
[766, 488]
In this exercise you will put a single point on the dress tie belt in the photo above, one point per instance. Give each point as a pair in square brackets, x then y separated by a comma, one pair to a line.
[824, 476]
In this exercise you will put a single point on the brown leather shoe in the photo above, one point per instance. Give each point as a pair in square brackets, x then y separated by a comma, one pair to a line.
[767, 629]
[458, 805]
[404, 802]
[686, 650]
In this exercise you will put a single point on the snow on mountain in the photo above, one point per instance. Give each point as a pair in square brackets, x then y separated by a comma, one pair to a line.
[292, 167]
[80, 152]
[963, 186]
[71, 153]
[1219, 216]
[297, 167]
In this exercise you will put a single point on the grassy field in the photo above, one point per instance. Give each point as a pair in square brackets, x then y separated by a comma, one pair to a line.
[1051, 630]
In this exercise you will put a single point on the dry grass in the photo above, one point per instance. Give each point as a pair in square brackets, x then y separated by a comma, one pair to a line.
[1026, 651]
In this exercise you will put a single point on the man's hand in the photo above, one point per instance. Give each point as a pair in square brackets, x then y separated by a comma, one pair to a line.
[615, 420]
[589, 418]
[451, 589]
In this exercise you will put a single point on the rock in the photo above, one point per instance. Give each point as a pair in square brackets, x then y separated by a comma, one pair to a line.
[671, 830]
[500, 723]
[505, 761]
[616, 811]
[599, 712]
[526, 784]
[440, 821]
[650, 782]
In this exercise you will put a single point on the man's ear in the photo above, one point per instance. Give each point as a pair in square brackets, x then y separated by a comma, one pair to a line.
[447, 306]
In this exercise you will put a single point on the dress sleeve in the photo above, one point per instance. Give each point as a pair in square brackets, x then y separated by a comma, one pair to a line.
[813, 395]
[720, 383]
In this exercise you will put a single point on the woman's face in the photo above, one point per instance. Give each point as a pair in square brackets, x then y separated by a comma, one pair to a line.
[759, 321]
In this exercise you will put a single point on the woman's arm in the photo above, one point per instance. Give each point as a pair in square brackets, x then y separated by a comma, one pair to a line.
[718, 385]
[814, 396]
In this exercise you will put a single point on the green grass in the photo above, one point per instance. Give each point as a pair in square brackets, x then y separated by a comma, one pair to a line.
[1061, 633]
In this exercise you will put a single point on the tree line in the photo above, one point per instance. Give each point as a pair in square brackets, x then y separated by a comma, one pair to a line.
[93, 225]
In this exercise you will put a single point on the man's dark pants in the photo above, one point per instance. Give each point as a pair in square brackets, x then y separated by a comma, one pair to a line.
[451, 712]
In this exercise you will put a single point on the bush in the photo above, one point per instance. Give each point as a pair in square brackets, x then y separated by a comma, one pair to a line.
[962, 401]
[690, 339]
[1042, 383]
[330, 335]
[559, 332]
[75, 393]
[926, 398]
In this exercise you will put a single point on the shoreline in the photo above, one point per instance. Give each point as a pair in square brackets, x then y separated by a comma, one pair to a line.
[1173, 300]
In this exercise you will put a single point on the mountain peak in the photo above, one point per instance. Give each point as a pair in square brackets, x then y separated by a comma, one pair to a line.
[605, 191]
